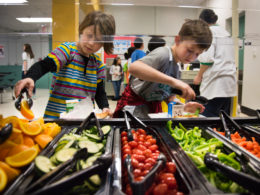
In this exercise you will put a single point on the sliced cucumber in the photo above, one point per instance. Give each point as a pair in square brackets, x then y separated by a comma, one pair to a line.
[95, 180]
[93, 137]
[65, 154]
[43, 164]
[54, 160]
[106, 129]
[91, 146]
[90, 160]
[100, 146]
[90, 187]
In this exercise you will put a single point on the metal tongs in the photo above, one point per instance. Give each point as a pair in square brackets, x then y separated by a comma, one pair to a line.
[20, 97]
[5, 132]
[200, 99]
[140, 187]
[58, 172]
[86, 122]
[247, 181]
[247, 133]
[61, 186]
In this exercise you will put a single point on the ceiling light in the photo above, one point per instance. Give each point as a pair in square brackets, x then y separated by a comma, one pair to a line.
[12, 2]
[35, 20]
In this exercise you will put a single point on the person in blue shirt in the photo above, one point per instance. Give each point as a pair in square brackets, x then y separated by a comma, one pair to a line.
[138, 53]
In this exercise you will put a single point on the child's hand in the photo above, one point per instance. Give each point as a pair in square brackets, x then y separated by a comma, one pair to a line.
[191, 107]
[187, 91]
[24, 83]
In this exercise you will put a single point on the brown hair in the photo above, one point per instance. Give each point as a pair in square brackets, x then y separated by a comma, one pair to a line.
[105, 23]
[198, 31]
[28, 49]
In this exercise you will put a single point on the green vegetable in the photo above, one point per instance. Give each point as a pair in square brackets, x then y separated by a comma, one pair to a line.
[182, 127]
[229, 160]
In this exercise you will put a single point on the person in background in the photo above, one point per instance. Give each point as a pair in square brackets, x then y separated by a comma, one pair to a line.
[138, 53]
[217, 74]
[79, 73]
[153, 76]
[116, 72]
[28, 60]
[154, 43]
[127, 56]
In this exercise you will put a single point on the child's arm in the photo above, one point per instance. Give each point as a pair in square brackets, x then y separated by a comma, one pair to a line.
[145, 72]
[34, 73]
[198, 78]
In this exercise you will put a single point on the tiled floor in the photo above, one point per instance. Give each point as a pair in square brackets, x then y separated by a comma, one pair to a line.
[7, 108]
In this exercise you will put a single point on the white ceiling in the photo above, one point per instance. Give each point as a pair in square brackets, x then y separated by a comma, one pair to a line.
[43, 8]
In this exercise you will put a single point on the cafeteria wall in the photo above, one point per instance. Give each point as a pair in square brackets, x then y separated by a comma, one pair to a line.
[13, 48]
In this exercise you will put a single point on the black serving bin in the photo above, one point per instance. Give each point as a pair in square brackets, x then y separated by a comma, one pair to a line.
[29, 176]
[206, 125]
[187, 179]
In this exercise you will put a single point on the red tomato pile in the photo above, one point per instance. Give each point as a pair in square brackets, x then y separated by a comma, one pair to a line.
[144, 153]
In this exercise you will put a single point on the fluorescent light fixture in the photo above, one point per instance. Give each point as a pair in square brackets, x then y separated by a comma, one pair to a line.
[35, 20]
[122, 4]
[12, 1]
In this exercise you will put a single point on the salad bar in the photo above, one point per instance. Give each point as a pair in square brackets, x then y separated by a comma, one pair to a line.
[133, 156]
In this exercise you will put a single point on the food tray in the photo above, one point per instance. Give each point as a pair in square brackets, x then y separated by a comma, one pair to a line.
[186, 179]
[206, 133]
[29, 176]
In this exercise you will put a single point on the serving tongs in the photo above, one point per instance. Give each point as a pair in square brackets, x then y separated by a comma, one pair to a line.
[128, 128]
[87, 121]
[247, 181]
[58, 172]
[5, 132]
[99, 166]
[200, 99]
[20, 98]
[247, 133]
[140, 187]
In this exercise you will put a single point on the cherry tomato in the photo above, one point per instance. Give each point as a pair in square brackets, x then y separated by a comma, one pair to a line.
[137, 151]
[126, 146]
[141, 131]
[127, 151]
[148, 137]
[140, 178]
[171, 182]
[140, 166]
[133, 144]
[145, 172]
[137, 173]
[133, 131]
[124, 133]
[124, 143]
[152, 141]
[140, 158]
[124, 139]
[141, 147]
[148, 153]
[160, 189]
[148, 166]
[153, 147]
[171, 167]
[124, 156]
[164, 176]
[147, 144]
[134, 162]
[141, 139]
[150, 160]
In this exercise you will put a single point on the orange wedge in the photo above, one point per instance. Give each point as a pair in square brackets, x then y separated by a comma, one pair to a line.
[26, 111]
[17, 149]
[23, 158]
[43, 140]
[32, 128]
[11, 119]
[3, 179]
[28, 141]
[51, 129]
[11, 173]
